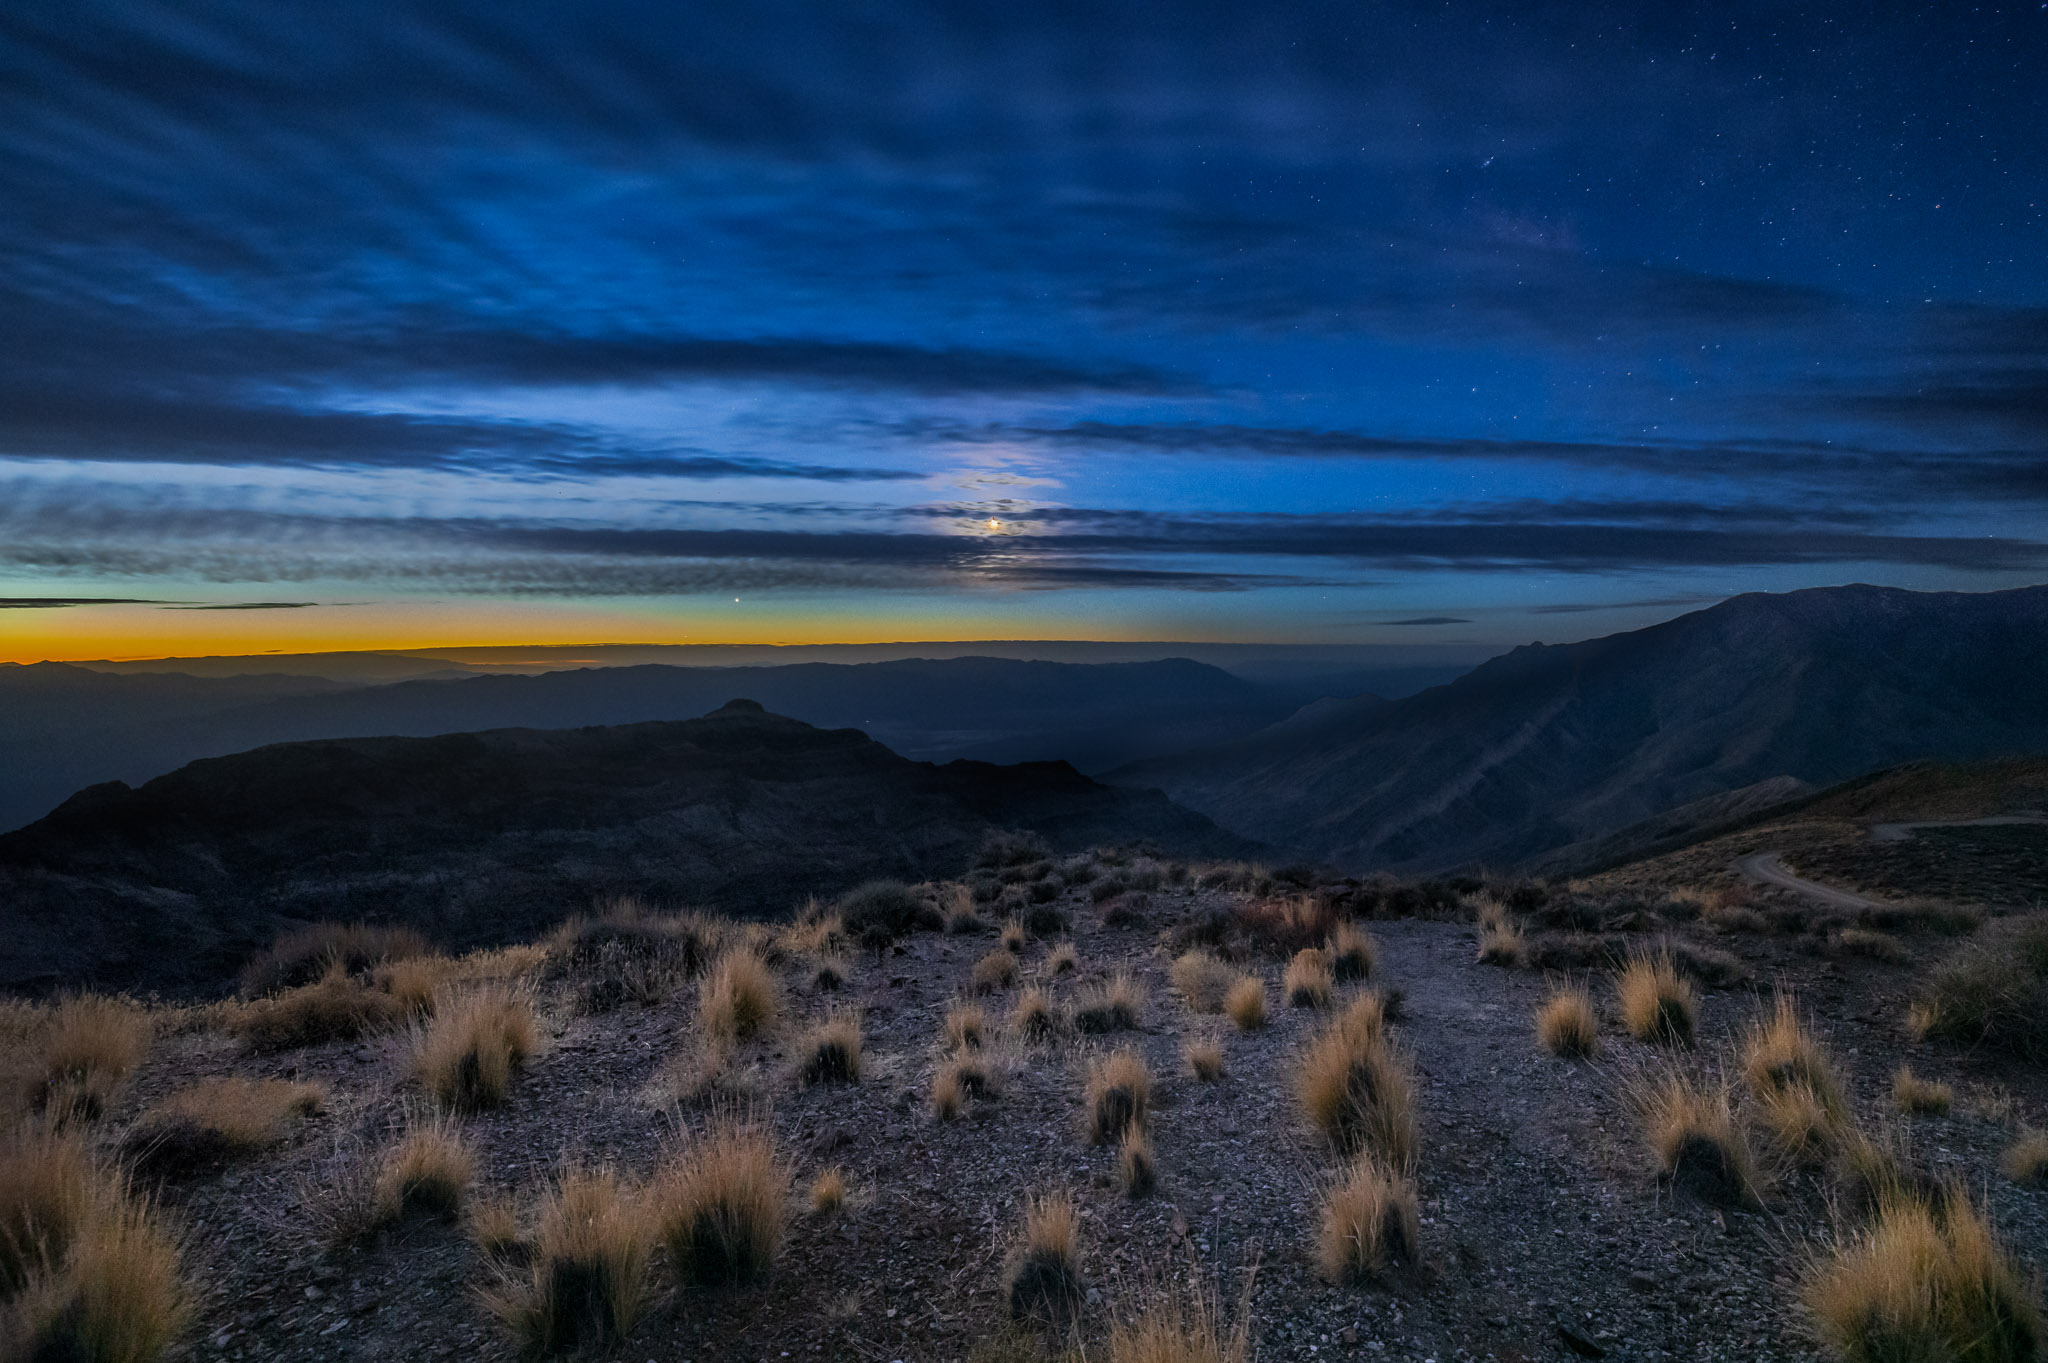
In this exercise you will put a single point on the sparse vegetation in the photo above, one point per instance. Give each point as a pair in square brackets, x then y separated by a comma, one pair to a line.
[1205, 1059]
[1353, 954]
[997, 970]
[1044, 1279]
[1112, 1005]
[949, 1096]
[467, 1055]
[719, 1205]
[335, 1007]
[1656, 1004]
[1800, 1092]
[1925, 1282]
[882, 912]
[1178, 1327]
[1369, 1222]
[312, 952]
[829, 975]
[1202, 980]
[1357, 1090]
[1566, 1024]
[116, 1298]
[47, 1192]
[966, 1027]
[1246, 1003]
[2025, 1161]
[1872, 945]
[1309, 982]
[1013, 937]
[741, 999]
[1286, 924]
[831, 1051]
[828, 1191]
[586, 1279]
[1992, 990]
[87, 1050]
[1119, 1094]
[427, 1172]
[1502, 944]
[1135, 1170]
[1922, 1097]
[1034, 1018]
[1062, 960]
[218, 1120]
[1699, 1147]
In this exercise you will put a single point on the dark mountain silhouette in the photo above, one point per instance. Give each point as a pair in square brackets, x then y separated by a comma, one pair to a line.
[1549, 746]
[488, 837]
[92, 727]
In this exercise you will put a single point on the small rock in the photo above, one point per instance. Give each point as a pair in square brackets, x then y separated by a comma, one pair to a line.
[1578, 1342]
[1642, 1282]
[1348, 1335]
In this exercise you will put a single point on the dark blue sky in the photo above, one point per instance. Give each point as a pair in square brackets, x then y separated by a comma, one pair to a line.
[1362, 322]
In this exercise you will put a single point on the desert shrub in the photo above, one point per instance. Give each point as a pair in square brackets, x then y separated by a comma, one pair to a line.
[1566, 1024]
[816, 931]
[2025, 1161]
[1107, 888]
[720, 1205]
[336, 1007]
[1202, 980]
[1708, 966]
[997, 970]
[310, 953]
[1044, 1281]
[1286, 924]
[467, 1055]
[828, 1191]
[1307, 982]
[1353, 954]
[633, 956]
[1112, 1005]
[1779, 1054]
[829, 974]
[1924, 915]
[1044, 920]
[1034, 1018]
[85, 1053]
[1570, 951]
[116, 1298]
[1370, 1221]
[966, 1027]
[426, 1172]
[1135, 1170]
[962, 915]
[1699, 1147]
[1062, 960]
[47, 1192]
[740, 998]
[1011, 847]
[219, 1120]
[1992, 990]
[1735, 918]
[1126, 910]
[1205, 1059]
[586, 1275]
[883, 911]
[1041, 893]
[1119, 1094]
[1926, 1097]
[1246, 1003]
[1656, 1004]
[1925, 1282]
[1356, 1089]
[1502, 944]
[830, 1053]
[1872, 945]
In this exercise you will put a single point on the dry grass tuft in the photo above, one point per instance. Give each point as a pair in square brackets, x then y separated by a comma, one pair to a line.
[85, 1053]
[1119, 1094]
[741, 998]
[1246, 1004]
[312, 952]
[1780, 1053]
[1202, 980]
[336, 1007]
[218, 1120]
[1357, 1090]
[966, 1027]
[1178, 1327]
[1926, 1097]
[47, 1191]
[828, 1191]
[1502, 944]
[1034, 1018]
[426, 1173]
[1353, 954]
[1062, 960]
[829, 975]
[1205, 1059]
[1013, 937]
[1699, 1147]
[1657, 1004]
[974, 1074]
[1287, 924]
[949, 1095]
[1135, 1170]
[997, 970]
[831, 1052]
[586, 1280]
[1872, 945]
[1044, 1278]
[1993, 990]
[1112, 1005]
[116, 1298]
[467, 1055]
[1566, 1024]
[493, 1225]
[2025, 1161]
[1309, 981]
[720, 1205]
[1925, 1283]
[1370, 1222]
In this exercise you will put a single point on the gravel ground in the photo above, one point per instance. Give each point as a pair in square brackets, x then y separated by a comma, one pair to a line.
[1545, 1233]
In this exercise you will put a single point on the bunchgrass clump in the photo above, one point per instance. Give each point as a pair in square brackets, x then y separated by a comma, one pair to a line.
[48, 1189]
[117, 1297]
[219, 1120]
[1309, 982]
[1357, 1090]
[1370, 1221]
[426, 1172]
[1566, 1024]
[1922, 1097]
[586, 1277]
[719, 1204]
[830, 1053]
[1993, 990]
[1205, 1059]
[1872, 945]
[1044, 1279]
[467, 1056]
[1119, 1094]
[997, 970]
[312, 952]
[1246, 1003]
[1062, 960]
[741, 998]
[1801, 1102]
[1014, 937]
[1502, 944]
[966, 1027]
[949, 1095]
[1925, 1281]
[1034, 1018]
[1184, 1326]
[1135, 1170]
[336, 1007]
[1699, 1147]
[1112, 1005]
[829, 975]
[1657, 1004]
[828, 1191]
[85, 1053]
[1352, 952]
[1202, 980]
[2025, 1161]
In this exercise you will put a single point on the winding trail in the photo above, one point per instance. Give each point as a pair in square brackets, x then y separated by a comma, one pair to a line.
[1766, 867]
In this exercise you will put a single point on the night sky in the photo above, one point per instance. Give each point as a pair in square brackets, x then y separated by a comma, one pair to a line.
[499, 323]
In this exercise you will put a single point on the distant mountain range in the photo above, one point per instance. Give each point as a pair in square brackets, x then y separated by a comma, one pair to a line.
[1548, 747]
[491, 837]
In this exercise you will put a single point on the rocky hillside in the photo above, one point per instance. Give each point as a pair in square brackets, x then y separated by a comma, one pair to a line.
[486, 837]
[1550, 746]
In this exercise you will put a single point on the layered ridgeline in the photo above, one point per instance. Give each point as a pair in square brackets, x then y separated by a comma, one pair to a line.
[1550, 746]
[63, 728]
[490, 837]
